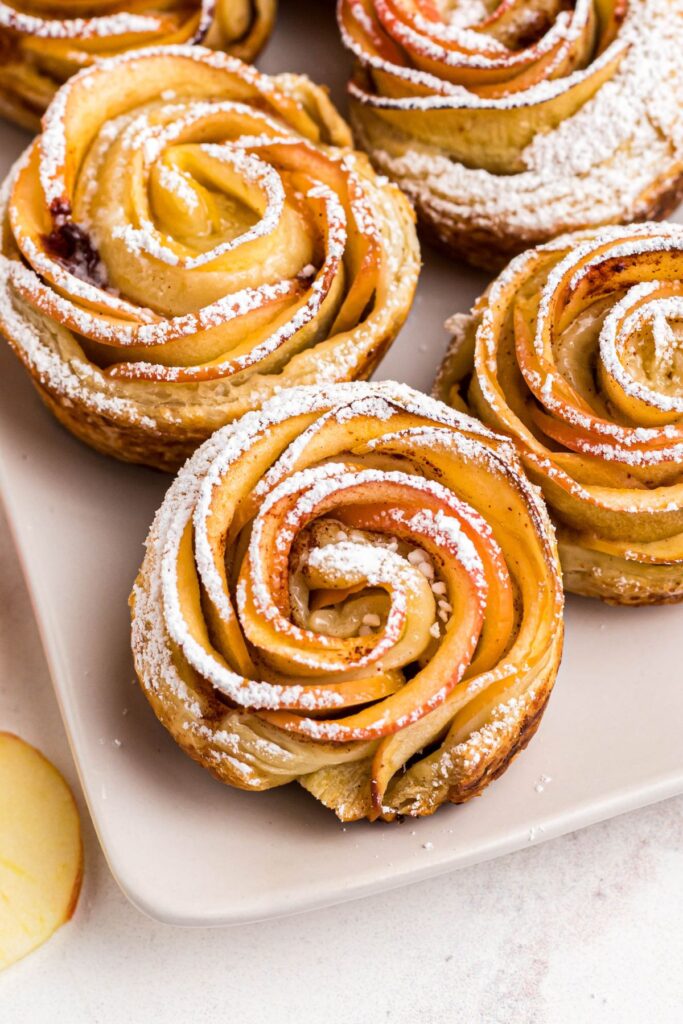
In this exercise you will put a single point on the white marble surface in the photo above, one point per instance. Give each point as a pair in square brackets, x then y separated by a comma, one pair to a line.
[588, 928]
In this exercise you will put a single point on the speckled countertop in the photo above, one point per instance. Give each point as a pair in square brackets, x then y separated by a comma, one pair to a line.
[587, 928]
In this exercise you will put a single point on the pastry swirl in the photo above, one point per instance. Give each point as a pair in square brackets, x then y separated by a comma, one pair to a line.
[43, 43]
[168, 263]
[578, 355]
[510, 123]
[356, 588]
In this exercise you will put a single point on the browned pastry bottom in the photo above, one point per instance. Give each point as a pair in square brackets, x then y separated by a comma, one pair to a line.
[269, 257]
[574, 351]
[417, 629]
[527, 730]
[491, 249]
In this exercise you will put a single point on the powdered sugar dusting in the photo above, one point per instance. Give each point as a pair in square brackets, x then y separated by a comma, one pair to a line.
[599, 164]
[594, 322]
[425, 537]
[243, 272]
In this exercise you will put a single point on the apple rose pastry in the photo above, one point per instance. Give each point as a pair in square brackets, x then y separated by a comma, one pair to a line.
[171, 261]
[578, 355]
[508, 122]
[356, 588]
[45, 42]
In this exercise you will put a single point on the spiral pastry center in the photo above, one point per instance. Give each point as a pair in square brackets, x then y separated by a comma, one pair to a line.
[349, 576]
[492, 49]
[193, 237]
[186, 238]
[601, 351]
[479, 80]
[357, 575]
[577, 351]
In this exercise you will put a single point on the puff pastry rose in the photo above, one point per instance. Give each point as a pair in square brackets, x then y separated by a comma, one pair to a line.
[45, 42]
[578, 355]
[508, 123]
[356, 588]
[169, 261]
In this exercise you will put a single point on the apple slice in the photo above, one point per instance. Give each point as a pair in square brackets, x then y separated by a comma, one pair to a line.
[41, 854]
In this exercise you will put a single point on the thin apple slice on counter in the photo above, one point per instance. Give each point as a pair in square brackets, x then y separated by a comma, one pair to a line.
[41, 855]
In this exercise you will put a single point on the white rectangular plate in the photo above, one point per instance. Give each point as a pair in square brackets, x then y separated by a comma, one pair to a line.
[185, 848]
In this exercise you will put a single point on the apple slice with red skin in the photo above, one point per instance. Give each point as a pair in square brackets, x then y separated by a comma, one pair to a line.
[41, 852]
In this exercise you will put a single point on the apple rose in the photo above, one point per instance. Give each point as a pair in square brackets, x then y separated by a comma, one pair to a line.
[578, 355]
[44, 43]
[356, 588]
[510, 122]
[170, 261]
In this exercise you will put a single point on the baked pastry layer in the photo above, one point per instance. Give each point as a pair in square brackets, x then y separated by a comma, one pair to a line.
[509, 124]
[356, 588]
[44, 43]
[187, 237]
[576, 351]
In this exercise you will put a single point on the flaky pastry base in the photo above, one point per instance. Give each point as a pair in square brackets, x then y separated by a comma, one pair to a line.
[608, 147]
[39, 53]
[572, 352]
[142, 337]
[488, 646]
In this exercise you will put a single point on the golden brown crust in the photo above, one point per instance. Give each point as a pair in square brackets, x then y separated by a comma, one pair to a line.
[168, 447]
[40, 50]
[127, 443]
[572, 351]
[499, 762]
[491, 248]
[620, 581]
[151, 322]
[390, 534]
[444, 779]
[501, 149]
